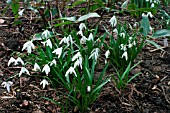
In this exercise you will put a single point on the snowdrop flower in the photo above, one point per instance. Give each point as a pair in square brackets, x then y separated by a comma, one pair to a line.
[113, 21]
[46, 34]
[70, 39]
[122, 35]
[130, 45]
[80, 33]
[7, 85]
[115, 31]
[88, 88]
[144, 15]
[44, 82]
[95, 54]
[152, 5]
[28, 46]
[53, 62]
[123, 47]
[23, 70]
[36, 67]
[134, 42]
[83, 40]
[82, 26]
[149, 14]
[107, 54]
[90, 38]
[58, 51]
[46, 68]
[12, 60]
[76, 56]
[47, 43]
[21, 12]
[64, 40]
[70, 71]
[78, 63]
[125, 55]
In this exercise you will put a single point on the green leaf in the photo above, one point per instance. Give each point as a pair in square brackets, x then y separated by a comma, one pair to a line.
[15, 7]
[154, 44]
[87, 16]
[124, 5]
[145, 25]
[161, 33]
[63, 23]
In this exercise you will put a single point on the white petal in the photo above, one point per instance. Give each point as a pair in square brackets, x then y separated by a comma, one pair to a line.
[48, 43]
[46, 68]
[90, 38]
[58, 51]
[76, 56]
[44, 82]
[82, 26]
[11, 60]
[20, 60]
[36, 67]
[107, 53]
[125, 55]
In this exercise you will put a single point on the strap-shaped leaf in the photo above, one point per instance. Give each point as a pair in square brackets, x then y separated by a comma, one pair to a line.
[87, 16]
[161, 33]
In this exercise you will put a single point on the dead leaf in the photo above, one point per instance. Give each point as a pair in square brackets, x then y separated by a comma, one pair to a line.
[2, 21]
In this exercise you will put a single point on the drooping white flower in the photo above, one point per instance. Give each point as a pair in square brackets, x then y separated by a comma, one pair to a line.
[11, 60]
[46, 34]
[78, 63]
[125, 55]
[23, 70]
[144, 15]
[82, 26]
[44, 82]
[83, 40]
[113, 21]
[28, 46]
[152, 5]
[88, 88]
[122, 35]
[115, 31]
[76, 56]
[123, 47]
[80, 33]
[53, 62]
[90, 38]
[149, 14]
[7, 85]
[47, 43]
[95, 54]
[64, 40]
[70, 71]
[46, 69]
[19, 60]
[36, 67]
[58, 51]
[107, 54]
[130, 45]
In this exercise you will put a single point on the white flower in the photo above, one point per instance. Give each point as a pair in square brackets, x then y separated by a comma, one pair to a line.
[144, 15]
[107, 54]
[122, 35]
[88, 88]
[113, 21]
[130, 45]
[28, 46]
[12, 60]
[95, 54]
[64, 40]
[134, 42]
[149, 14]
[36, 67]
[125, 55]
[122, 47]
[70, 71]
[44, 82]
[115, 31]
[76, 56]
[21, 12]
[23, 70]
[7, 85]
[90, 38]
[83, 40]
[46, 68]
[58, 51]
[53, 62]
[82, 26]
[47, 43]
[152, 5]
[46, 34]
[78, 63]
[80, 33]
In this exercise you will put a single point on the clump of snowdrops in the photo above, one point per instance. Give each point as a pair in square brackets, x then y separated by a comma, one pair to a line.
[69, 63]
